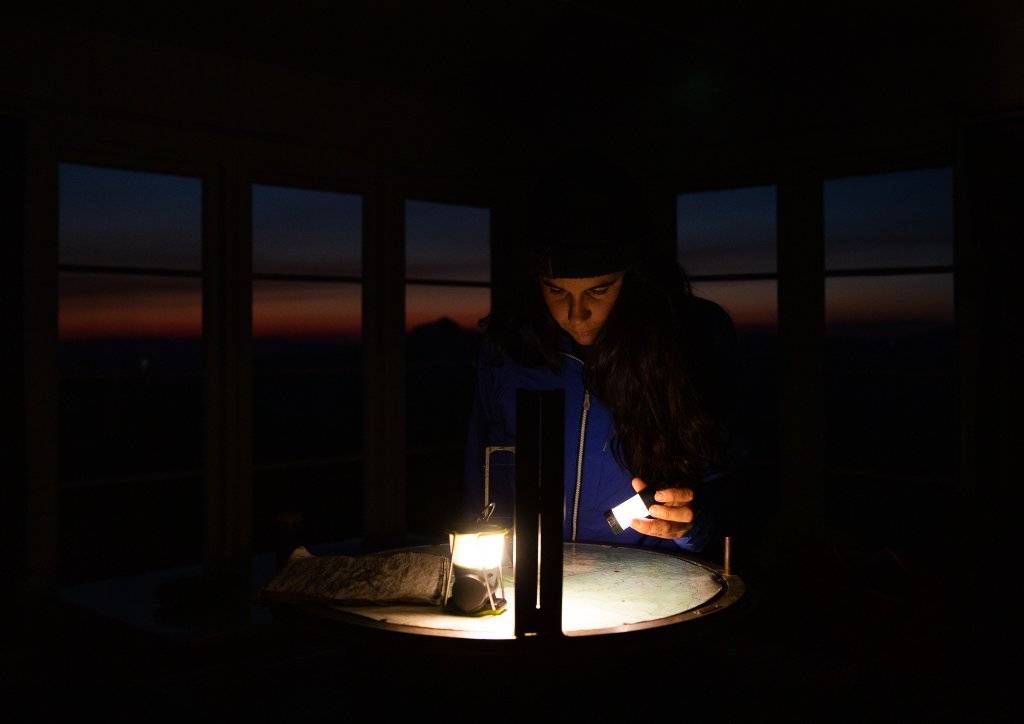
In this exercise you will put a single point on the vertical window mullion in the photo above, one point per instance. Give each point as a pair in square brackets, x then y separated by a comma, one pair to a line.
[801, 267]
[227, 313]
[41, 240]
[384, 367]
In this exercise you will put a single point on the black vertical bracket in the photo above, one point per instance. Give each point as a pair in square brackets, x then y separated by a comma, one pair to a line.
[540, 493]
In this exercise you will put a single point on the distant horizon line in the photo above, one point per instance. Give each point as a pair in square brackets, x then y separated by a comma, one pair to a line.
[356, 338]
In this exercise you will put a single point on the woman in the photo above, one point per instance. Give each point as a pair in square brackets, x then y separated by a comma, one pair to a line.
[647, 371]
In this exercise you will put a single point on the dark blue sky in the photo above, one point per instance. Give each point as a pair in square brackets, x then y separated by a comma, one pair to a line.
[445, 241]
[129, 218]
[299, 231]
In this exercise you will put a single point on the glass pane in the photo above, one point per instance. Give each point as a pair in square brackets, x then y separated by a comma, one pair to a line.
[891, 395]
[434, 495]
[127, 528]
[129, 218]
[307, 310]
[130, 307]
[876, 510]
[298, 231]
[753, 306]
[131, 375]
[889, 220]
[441, 351]
[749, 303]
[308, 385]
[440, 358]
[431, 306]
[727, 232]
[444, 241]
[320, 501]
[868, 305]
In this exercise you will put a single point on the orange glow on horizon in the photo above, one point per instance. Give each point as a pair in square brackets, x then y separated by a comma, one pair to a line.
[463, 305]
[159, 313]
[920, 298]
[159, 309]
[750, 304]
[307, 310]
[467, 319]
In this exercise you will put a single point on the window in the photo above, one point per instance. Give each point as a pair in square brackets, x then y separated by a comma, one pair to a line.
[726, 242]
[307, 371]
[447, 294]
[890, 343]
[131, 387]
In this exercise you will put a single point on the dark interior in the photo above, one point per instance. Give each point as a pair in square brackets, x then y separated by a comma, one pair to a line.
[152, 485]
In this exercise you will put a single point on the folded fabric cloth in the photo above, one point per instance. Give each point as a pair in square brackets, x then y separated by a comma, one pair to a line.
[379, 578]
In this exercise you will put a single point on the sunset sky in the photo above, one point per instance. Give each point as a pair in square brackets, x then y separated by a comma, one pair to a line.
[121, 218]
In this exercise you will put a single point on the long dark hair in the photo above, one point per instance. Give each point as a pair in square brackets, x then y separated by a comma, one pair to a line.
[642, 365]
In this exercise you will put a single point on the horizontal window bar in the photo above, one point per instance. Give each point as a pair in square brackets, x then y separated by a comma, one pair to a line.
[193, 474]
[307, 463]
[891, 271]
[898, 374]
[132, 479]
[112, 377]
[448, 283]
[881, 475]
[752, 277]
[301, 371]
[129, 270]
[435, 449]
[285, 277]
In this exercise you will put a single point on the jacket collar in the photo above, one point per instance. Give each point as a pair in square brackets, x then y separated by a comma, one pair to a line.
[567, 347]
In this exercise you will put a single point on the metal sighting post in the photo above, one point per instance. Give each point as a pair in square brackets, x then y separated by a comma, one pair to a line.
[488, 452]
[540, 492]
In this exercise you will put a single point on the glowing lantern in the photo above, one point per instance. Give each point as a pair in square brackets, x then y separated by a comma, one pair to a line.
[475, 585]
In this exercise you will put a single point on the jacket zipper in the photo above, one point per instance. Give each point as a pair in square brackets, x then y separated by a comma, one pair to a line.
[579, 461]
[579, 455]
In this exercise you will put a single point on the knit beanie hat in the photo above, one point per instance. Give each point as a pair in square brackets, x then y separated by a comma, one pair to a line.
[585, 219]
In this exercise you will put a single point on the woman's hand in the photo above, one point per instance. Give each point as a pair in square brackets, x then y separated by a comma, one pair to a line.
[672, 514]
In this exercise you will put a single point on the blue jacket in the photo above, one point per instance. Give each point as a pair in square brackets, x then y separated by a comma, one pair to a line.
[594, 480]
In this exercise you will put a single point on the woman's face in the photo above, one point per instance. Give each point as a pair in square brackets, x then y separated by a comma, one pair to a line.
[581, 306]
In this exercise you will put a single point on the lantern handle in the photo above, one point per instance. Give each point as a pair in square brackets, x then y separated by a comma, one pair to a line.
[487, 512]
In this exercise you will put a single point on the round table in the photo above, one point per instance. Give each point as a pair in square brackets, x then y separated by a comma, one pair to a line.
[634, 620]
[606, 590]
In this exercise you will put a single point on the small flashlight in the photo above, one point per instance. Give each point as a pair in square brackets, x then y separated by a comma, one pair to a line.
[622, 514]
